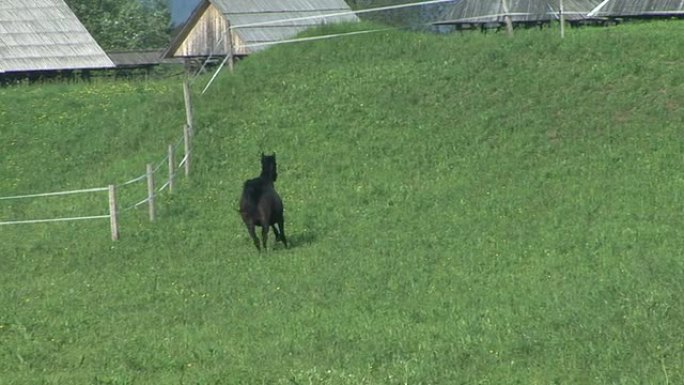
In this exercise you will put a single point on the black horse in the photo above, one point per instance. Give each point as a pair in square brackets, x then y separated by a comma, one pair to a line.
[260, 204]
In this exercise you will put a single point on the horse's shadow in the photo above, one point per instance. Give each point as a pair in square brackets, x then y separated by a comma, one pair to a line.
[304, 239]
[295, 241]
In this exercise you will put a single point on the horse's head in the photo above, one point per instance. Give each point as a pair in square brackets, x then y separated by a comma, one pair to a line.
[269, 168]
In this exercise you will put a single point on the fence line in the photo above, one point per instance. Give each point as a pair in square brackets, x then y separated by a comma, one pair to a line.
[229, 57]
[148, 176]
[94, 189]
[34, 221]
[321, 37]
[98, 189]
[134, 180]
[160, 189]
[51, 194]
[303, 18]
[345, 13]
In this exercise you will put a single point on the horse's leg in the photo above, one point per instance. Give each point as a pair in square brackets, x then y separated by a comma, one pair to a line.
[281, 226]
[264, 235]
[277, 229]
[252, 233]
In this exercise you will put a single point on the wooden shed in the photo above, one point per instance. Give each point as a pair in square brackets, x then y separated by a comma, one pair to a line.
[254, 25]
[45, 35]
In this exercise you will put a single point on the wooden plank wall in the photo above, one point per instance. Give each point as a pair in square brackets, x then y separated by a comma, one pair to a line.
[209, 29]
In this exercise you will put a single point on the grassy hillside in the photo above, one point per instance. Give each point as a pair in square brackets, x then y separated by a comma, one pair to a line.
[461, 209]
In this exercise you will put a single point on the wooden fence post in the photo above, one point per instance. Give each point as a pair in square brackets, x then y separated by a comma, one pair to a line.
[231, 56]
[113, 220]
[188, 102]
[150, 191]
[172, 167]
[507, 18]
[562, 20]
[187, 137]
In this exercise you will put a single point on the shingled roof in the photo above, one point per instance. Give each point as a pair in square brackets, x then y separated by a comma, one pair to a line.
[45, 35]
[255, 24]
[520, 11]
[635, 8]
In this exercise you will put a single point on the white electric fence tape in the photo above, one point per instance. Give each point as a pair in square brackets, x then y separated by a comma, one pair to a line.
[51, 194]
[33, 221]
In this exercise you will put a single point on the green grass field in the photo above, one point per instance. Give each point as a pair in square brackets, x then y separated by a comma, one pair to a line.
[462, 209]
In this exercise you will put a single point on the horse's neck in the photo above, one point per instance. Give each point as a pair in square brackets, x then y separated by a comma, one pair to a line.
[267, 175]
[266, 178]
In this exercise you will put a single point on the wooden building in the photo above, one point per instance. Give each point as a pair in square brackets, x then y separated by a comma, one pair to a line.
[253, 25]
[45, 35]
[138, 62]
[491, 13]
